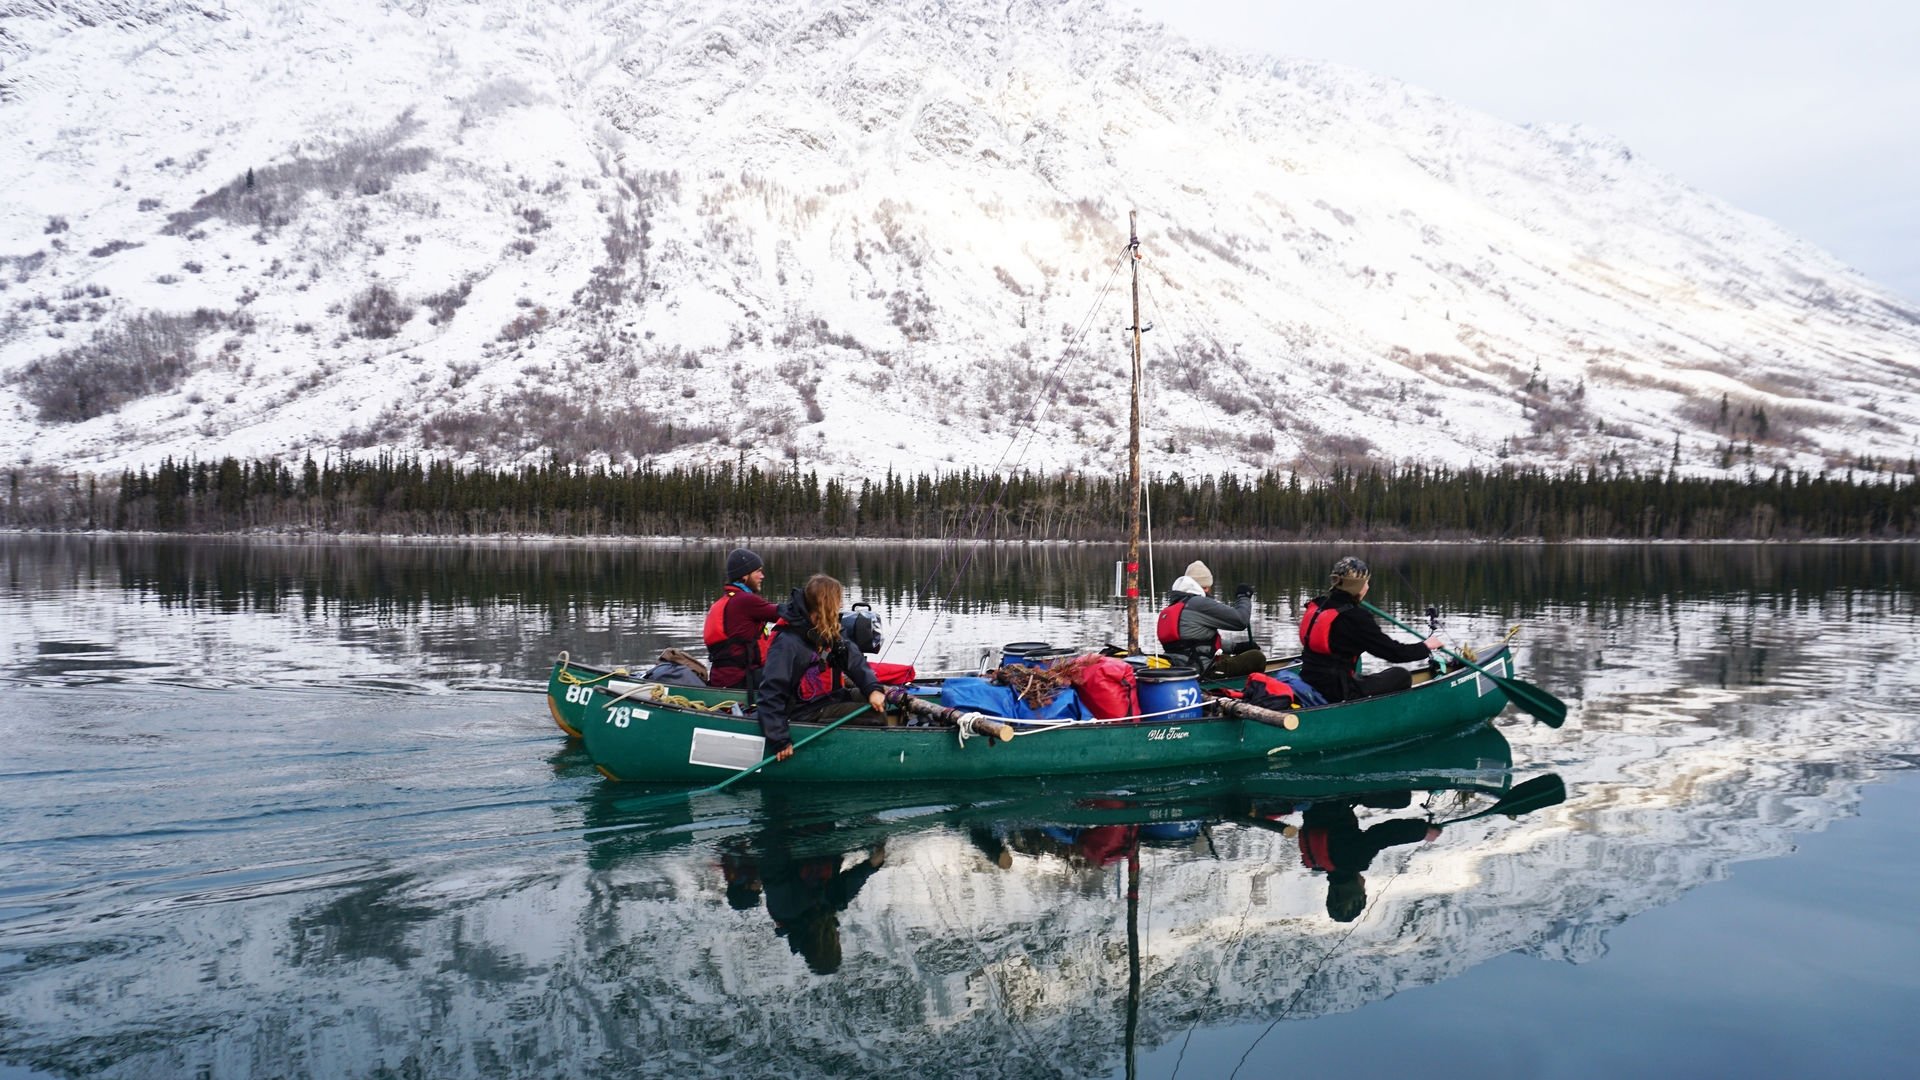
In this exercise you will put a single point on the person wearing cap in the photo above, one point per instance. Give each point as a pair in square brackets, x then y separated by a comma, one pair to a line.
[1336, 630]
[1189, 626]
[736, 622]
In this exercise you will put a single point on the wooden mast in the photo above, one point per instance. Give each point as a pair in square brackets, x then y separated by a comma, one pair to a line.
[1133, 450]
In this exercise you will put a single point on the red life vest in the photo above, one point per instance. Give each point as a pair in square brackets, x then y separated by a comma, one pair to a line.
[1315, 849]
[1167, 629]
[1316, 628]
[724, 651]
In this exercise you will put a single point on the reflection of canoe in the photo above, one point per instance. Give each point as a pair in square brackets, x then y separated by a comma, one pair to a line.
[632, 738]
[624, 820]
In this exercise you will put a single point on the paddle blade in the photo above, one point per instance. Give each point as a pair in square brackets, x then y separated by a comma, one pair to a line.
[1533, 701]
[1536, 794]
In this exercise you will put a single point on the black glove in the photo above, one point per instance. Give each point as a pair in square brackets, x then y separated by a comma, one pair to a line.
[1242, 590]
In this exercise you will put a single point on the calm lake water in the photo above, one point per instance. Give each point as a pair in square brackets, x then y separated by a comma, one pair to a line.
[297, 810]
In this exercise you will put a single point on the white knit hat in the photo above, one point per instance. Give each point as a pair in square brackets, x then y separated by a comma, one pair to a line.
[1202, 576]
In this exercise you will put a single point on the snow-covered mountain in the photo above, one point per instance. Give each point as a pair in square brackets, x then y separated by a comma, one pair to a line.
[862, 235]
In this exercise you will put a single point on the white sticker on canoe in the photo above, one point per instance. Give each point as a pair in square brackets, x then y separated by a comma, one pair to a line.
[726, 749]
[1482, 684]
[622, 715]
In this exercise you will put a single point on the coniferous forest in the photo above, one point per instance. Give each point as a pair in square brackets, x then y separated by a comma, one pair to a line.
[407, 495]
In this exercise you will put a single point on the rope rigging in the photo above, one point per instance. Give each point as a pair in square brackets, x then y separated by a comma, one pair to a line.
[1025, 431]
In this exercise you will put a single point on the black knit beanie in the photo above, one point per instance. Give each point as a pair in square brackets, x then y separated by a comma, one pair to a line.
[741, 562]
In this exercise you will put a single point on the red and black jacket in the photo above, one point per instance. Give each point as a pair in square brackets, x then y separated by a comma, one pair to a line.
[1334, 631]
[1332, 840]
[732, 631]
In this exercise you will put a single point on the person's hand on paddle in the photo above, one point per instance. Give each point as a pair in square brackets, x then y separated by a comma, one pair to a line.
[1433, 642]
[783, 753]
[878, 699]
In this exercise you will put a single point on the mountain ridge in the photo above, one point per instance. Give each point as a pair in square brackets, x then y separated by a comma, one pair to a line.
[865, 236]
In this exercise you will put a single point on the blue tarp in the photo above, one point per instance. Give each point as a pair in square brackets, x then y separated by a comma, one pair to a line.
[981, 696]
[1308, 695]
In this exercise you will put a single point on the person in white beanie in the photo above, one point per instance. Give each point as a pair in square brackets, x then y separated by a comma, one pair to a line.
[1189, 626]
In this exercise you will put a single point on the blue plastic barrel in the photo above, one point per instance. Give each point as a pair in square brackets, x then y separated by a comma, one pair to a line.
[1025, 652]
[1170, 830]
[1170, 688]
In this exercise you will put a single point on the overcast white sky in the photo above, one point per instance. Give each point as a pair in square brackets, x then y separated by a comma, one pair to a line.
[1807, 113]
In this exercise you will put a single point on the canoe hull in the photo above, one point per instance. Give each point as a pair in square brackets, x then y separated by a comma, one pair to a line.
[634, 739]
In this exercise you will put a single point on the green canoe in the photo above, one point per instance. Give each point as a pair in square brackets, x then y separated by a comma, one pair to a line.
[568, 685]
[567, 695]
[632, 735]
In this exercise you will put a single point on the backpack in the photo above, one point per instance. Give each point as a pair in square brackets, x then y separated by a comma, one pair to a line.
[672, 674]
[1268, 692]
[1107, 686]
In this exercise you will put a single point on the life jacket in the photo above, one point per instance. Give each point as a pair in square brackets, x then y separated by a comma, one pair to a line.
[820, 677]
[1167, 629]
[1316, 850]
[1268, 692]
[724, 651]
[1316, 628]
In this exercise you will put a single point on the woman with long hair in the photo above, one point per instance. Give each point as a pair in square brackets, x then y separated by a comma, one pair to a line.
[801, 675]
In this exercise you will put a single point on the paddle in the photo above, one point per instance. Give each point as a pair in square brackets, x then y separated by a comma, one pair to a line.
[1536, 794]
[1532, 700]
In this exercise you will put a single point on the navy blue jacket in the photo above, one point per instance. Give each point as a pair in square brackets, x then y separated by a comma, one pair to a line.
[796, 662]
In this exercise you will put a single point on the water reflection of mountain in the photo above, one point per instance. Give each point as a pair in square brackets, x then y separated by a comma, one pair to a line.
[984, 929]
[1728, 703]
[622, 954]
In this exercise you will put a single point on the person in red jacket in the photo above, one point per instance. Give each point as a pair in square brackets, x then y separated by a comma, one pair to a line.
[736, 621]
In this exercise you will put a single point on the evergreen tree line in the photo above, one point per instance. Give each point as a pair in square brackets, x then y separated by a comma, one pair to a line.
[407, 495]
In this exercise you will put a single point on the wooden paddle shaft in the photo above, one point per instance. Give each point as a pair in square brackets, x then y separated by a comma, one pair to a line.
[985, 725]
[993, 728]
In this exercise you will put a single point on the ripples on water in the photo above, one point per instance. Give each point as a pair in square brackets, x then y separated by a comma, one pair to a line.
[296, 810]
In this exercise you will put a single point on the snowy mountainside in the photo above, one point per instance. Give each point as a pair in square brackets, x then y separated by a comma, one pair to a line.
[862, 235]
